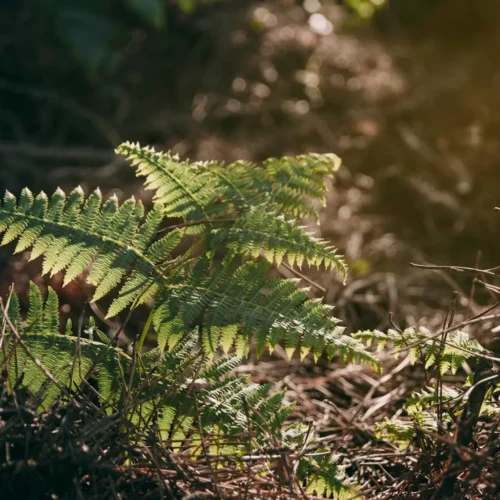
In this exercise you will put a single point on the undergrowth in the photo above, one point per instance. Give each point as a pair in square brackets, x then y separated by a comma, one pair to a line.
[449, 427]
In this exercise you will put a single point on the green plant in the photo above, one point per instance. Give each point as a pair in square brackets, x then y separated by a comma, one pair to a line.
[448, 426]
[436, 410]
[201, 259]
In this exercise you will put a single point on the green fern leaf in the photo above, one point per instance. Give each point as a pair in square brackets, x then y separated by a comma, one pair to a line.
[34, 318]
[262, 231]
[50, 317]
[111, 239]
[66, 359]
[272, 310]
[177, 185]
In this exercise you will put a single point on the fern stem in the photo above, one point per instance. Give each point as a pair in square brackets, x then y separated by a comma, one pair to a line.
[209, 220]
[303, 277]
[144, 332]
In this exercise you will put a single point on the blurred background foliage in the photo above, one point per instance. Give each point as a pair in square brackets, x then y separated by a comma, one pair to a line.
[365, 9]
[406, 91]
[91, 29]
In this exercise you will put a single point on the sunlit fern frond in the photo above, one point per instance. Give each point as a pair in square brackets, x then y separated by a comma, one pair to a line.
[179, 188]
[232, 303]
[300, 179]
[191, 190]
[194, 402]
[36, 356]
[422, 410]
[266, 310]
[290, 184]
[260, 231]
[449, 351]
[397, 431]
[116, 241]
[232, 417]
[73, 235]
[325, 477]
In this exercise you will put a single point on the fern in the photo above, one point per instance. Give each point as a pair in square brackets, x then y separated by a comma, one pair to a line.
[70, 236]
[178, 187]
[124, 251]
[422, 410]
[334, 483]
[208, 282]
[48, 363]
[260, 231]
[420, 344]
[273, 310]
[437, 408]
[287, 184]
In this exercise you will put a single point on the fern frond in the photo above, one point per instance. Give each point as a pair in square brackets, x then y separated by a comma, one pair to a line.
[120, 247]
[421, 408]
[47, 363]
[67, 359]
[397, 431]
[109, 238]
[35, 312]
[50, 318]
[287, 184]
[459, 348]
[261, 231]
[50, 364]
[188, 398]
[220, 368]
[326, 477]
[191, 190]
[13, 313]
[300, 179]
[269, 310]
[421, 344]
[178, 187]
